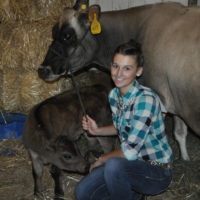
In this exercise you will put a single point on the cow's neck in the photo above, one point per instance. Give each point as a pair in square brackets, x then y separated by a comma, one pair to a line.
[116, 30]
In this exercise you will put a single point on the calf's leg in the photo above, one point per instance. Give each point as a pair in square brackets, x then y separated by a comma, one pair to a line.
[37, 170]
[57, 175]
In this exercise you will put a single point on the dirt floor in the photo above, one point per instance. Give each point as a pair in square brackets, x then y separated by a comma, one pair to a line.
[16, 181]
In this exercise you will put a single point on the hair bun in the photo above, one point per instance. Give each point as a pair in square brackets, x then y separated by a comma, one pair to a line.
[135, 44]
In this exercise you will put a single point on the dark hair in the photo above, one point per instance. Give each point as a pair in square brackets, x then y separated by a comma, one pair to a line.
[131, 48]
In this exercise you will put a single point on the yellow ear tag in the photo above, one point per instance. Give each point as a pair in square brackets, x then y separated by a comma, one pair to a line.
[83, 6]
[95, 26]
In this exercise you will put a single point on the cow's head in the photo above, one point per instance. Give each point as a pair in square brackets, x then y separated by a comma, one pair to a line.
[73, 45]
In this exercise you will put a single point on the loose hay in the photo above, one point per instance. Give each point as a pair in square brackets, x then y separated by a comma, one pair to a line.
[31, 10]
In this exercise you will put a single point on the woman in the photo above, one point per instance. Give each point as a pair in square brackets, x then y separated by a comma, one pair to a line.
[142, 166]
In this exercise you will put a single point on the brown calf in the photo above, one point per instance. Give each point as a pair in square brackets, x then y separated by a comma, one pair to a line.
[53, 129]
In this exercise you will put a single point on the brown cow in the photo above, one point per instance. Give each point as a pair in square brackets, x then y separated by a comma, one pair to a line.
[170, 38]
[53, 129]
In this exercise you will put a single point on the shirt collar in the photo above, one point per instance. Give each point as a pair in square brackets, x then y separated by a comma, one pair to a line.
[130, 95]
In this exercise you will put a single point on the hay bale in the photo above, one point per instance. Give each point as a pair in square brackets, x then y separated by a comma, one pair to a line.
[21, 90]
[22, 49]
[24, 45]
[34, 90]
[31, 10]
[10, 83]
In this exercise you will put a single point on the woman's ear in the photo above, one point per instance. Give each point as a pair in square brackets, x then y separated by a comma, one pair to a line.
[139, 71]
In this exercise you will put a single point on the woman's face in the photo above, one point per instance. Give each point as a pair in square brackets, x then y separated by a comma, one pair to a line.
[124, 70]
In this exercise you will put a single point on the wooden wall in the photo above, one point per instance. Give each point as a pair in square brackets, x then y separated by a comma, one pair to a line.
[122, 4]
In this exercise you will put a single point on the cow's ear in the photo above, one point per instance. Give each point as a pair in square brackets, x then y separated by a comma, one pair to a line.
[93, 17]
[94, 10]
[55, 31]
[81, 6]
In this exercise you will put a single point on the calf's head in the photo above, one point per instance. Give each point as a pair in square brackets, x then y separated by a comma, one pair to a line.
[63, 154]
[73, 45]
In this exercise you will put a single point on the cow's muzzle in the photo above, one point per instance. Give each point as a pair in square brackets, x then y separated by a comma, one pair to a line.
[46, 73]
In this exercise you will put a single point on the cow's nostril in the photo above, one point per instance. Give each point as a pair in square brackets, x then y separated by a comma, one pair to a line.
[43, 72]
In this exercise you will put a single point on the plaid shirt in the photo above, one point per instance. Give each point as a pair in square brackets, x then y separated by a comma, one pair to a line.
[138, 118]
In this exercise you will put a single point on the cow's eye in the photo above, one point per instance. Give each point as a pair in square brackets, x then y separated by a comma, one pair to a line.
[67, 157]
[67, 37]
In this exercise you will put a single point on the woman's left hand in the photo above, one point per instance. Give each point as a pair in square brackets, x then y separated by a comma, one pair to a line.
[103, 158]
[97, 163]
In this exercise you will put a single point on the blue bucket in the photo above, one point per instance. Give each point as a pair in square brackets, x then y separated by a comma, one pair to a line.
[11, 125]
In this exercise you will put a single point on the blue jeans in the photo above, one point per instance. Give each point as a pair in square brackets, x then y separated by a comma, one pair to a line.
[122, 179]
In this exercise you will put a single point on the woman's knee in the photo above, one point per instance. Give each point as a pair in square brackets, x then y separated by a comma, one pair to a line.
[114, 166]
[88, 184]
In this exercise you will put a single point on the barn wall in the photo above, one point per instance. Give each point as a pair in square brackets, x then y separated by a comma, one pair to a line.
[122, 4]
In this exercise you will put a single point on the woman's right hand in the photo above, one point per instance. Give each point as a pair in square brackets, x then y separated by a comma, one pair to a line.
[89, 125]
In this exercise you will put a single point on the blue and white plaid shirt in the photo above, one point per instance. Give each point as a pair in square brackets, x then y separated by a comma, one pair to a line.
[138, 118]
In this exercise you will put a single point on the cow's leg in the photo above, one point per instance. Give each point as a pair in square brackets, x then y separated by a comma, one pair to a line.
[57, 175]
[37, 170]
[180, 133]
